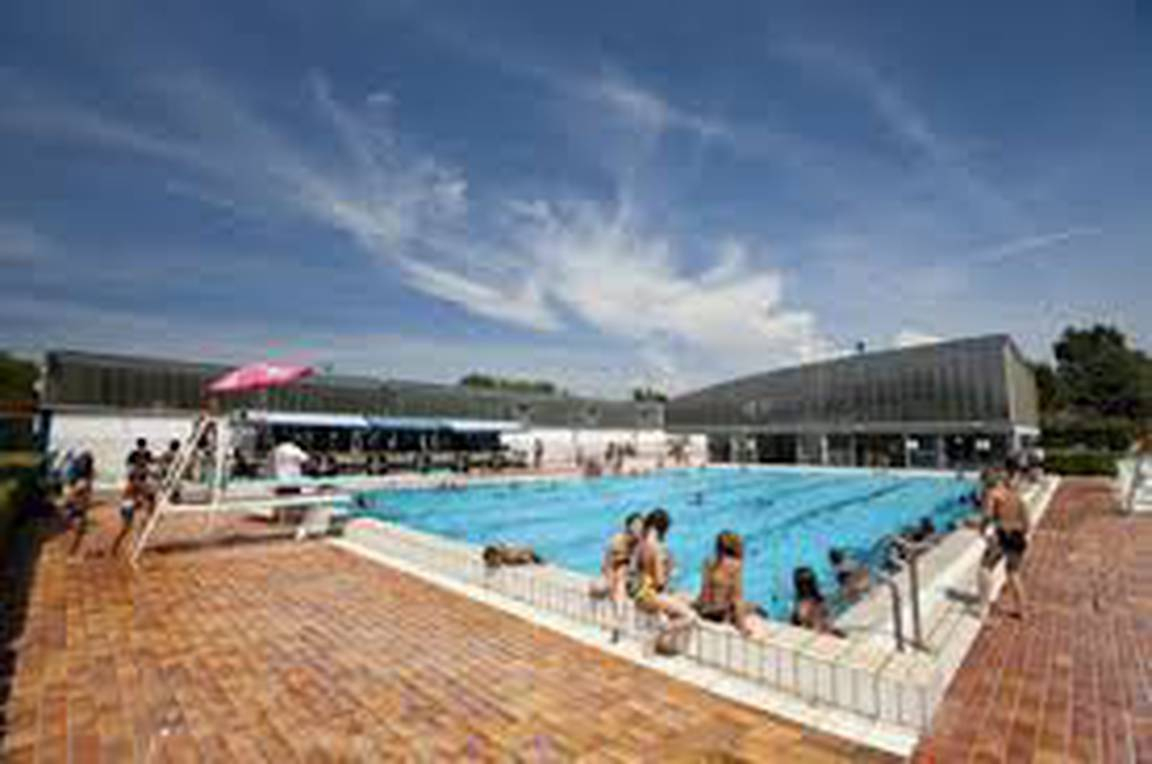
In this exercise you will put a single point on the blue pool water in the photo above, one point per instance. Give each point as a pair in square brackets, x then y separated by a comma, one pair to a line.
[787, 517]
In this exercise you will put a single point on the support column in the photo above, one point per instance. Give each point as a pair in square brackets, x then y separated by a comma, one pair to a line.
[824, 450]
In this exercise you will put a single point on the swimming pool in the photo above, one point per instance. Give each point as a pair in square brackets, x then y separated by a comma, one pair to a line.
[787, 517]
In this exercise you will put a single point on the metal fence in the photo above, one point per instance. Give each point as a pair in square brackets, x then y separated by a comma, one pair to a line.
[853, 675]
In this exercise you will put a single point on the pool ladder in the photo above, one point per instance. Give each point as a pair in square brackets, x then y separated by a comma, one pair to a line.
[911, 553]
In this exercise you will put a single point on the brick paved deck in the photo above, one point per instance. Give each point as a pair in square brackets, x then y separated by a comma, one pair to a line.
[280, 651]
[1073, 681]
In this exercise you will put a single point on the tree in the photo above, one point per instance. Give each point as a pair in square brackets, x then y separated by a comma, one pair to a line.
[648, 394]
[17, 379]
[1048, 389]
[508, 384]
[1099, 374]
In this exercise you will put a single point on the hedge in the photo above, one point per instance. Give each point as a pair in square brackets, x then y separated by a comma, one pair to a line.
[1081, 463]
[1097, 434]
[18, 488]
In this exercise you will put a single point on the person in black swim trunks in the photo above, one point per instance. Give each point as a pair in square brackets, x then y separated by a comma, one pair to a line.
[1007, 517]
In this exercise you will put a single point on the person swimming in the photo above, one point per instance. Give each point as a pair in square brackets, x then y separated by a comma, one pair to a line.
[810, 611]
[506, 555]
[852, 577]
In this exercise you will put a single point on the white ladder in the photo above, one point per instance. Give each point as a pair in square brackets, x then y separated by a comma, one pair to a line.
[172, 479]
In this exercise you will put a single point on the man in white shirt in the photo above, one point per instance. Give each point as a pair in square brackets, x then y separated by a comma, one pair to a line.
[288, 461]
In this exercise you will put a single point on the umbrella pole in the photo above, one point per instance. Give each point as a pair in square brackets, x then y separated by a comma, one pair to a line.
[220, 463]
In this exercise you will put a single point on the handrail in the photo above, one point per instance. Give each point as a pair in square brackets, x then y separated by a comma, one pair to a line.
[911, 553]
[897, 610]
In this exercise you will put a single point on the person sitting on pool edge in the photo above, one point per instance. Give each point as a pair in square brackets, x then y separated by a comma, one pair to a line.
[616, 567]
[851, 576]
[721, 597]
[506, 555]
[650, 587]
[810, 610]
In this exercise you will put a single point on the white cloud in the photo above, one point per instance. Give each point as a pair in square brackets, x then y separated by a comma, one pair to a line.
[601, 265]
[537, 264]
[907, 338]
[33, 326]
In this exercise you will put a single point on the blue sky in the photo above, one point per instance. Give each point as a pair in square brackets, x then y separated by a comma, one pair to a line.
[605, 194]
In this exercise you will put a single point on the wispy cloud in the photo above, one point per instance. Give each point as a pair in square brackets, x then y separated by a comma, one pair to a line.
[1026, 244]
[22, 244]
[549, 264]
[905, 120]
[646, 108]
[610, 88]
[33, 326]
[604, 266]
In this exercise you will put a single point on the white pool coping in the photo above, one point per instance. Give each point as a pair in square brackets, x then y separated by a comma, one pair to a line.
[892, 738]
[241, 488]
[859, 688]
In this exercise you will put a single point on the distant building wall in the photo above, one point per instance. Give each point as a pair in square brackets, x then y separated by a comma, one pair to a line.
[110, 435]
[75, 380]
[959, 403]
[104, 402]
[939, 385]
[1024, 399]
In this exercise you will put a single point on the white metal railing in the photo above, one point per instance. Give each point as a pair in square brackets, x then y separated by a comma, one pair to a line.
[824, 670]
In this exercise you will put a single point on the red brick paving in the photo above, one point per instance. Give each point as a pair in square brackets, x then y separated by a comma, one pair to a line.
[282, 652]
[1073, 681]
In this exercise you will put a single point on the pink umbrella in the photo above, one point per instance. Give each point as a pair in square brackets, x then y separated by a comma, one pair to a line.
[258, 376]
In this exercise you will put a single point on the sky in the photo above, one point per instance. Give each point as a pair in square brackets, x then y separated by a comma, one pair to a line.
[602, 194]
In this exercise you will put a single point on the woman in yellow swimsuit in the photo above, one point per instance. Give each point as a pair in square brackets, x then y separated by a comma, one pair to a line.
[653, 572]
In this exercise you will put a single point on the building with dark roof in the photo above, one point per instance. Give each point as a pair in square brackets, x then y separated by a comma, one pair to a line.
[102, 403]
[78, 381]
[954, 404]
[949, 404]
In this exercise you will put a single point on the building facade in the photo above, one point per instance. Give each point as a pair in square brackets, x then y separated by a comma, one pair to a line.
[104, 402]
[954, 404]
[957, 404]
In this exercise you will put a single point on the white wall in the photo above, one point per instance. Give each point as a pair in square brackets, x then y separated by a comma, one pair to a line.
[561, 445]
[110, 436]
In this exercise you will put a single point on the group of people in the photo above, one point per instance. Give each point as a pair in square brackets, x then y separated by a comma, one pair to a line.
[638, 565]
[143, 475]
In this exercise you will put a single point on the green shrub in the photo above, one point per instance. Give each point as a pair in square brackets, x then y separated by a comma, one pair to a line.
[1096, 433]
[9, 505]
[1081, 463]
[19, 483]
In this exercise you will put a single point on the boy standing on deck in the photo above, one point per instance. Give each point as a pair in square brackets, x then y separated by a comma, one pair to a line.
[1006, 518]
